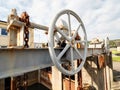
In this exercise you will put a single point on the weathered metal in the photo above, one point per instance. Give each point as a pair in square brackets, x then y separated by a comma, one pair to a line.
[16, 33]
[79, 77]
[38, 26]
[46, 78]
[25, 18]
[14, 62]
[13, 15]
[66, 34]
[101, 61]
[25, 81]
[69, 52]
[70, 41]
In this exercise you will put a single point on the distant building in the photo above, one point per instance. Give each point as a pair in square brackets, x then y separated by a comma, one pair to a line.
[3, 35]
[96, 43]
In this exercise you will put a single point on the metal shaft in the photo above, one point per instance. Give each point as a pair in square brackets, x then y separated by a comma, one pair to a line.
[38, 26]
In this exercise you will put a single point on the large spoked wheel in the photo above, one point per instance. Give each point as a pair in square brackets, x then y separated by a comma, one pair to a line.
[74, 25]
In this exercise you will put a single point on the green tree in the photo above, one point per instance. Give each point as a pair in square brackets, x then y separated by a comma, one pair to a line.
[112, 44]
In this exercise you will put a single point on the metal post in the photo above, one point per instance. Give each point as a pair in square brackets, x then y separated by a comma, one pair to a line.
[25, 83]
[79, 77]
[69, 83]
[111, 69]
[56, 79]
[18, 83]
[12, 83]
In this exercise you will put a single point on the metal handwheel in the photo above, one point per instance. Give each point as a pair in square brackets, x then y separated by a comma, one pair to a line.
[74, 25]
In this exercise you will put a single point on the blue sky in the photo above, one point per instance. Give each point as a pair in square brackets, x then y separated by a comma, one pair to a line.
[100, 17]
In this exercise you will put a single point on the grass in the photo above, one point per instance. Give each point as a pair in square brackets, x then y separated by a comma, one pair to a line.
[115, 58]
[115, 51]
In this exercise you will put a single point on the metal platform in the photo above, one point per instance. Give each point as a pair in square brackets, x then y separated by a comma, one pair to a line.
[14, 62]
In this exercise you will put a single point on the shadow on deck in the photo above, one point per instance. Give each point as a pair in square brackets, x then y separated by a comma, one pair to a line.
[116, 75]
[37, 86]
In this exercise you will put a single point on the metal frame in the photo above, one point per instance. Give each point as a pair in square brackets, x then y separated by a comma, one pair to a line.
[14, 62]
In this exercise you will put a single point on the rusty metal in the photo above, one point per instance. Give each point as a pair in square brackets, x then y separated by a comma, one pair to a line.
[79, 77]
[25, 81]
[77, 37]
[79, 45]
[101, 61]
[18, 83]
[26, 37]
[25, 18]
[46, 77]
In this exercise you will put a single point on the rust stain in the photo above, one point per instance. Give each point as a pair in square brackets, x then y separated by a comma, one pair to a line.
[101, 61]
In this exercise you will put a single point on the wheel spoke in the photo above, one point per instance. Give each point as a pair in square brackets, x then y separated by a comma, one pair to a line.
[72, 63]
[64, 35]
[57, 37]
[78, 53]
[76, 31]
[69, 23]
[63, 52]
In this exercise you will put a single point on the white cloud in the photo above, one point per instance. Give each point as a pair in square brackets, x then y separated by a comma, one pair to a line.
[101, 17]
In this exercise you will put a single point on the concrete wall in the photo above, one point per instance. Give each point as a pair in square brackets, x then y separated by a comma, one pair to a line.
[4, 39]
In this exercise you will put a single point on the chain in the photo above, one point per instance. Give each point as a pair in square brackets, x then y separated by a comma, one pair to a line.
[26, 37]
[25, 18]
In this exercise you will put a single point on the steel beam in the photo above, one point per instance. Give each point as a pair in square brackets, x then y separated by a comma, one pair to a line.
[38, 26]
[14, 62]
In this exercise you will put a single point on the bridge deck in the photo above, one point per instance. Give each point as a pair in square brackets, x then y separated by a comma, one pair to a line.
[17, 61]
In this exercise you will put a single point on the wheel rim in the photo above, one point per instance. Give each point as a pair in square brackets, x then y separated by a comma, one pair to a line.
[70, 42]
